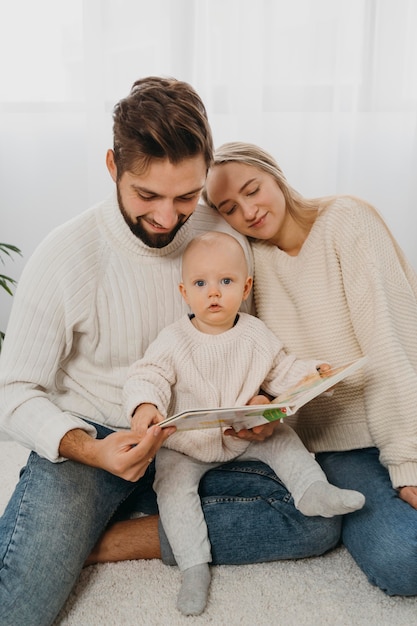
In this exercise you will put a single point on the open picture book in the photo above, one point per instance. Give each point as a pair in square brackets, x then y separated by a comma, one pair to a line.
[248, 416]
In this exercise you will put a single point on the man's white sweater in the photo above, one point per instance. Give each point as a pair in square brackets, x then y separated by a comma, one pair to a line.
[350, 292]
[89, 302]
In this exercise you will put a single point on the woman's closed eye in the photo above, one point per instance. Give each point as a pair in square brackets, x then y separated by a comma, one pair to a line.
[229, 211]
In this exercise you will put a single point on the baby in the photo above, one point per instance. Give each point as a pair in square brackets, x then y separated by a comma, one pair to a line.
[214, 357]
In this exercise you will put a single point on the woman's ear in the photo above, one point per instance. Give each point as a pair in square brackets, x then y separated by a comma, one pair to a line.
[111, 165]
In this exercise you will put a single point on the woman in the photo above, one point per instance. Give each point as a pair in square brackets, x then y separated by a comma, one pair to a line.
[331, 281]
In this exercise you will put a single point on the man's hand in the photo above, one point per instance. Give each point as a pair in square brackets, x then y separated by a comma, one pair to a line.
[125, 454]
[258, 433]
[128, 455]
[144, 416]
[409, 494]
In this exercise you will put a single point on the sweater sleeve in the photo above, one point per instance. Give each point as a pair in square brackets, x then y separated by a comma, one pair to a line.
[38, 337]
[381, 293]
[286, 369]
[151, 378]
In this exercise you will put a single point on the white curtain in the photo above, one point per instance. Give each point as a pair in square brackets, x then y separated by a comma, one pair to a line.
[328, 86]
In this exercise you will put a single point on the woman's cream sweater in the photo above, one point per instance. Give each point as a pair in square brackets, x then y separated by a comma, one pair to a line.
[349, 292]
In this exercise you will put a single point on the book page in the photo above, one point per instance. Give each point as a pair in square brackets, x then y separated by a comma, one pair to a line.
[250, 416]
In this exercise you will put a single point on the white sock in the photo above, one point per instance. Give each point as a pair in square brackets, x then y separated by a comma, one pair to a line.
[324, 499]
[192, 597]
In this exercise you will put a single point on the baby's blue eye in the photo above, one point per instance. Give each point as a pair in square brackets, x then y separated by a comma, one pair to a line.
[226, 281]
[200, 283]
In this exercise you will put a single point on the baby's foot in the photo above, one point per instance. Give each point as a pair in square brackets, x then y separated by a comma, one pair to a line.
[324, 499]
[192, 598]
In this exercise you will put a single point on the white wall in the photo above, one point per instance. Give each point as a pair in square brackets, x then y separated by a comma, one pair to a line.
[54, 168]
[329, 88]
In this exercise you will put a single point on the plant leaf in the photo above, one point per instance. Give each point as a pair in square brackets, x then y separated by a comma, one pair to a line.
[7, 248]
[6, 282]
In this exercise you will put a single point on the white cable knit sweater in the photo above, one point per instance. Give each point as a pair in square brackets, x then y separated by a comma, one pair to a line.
[349, 292]
[187, 369]
[89, 301]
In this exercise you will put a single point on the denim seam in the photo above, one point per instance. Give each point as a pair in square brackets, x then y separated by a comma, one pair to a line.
[14, 531]
[219, 499]
[249, 470]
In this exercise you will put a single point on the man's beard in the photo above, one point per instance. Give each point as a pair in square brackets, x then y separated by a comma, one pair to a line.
[152, 240]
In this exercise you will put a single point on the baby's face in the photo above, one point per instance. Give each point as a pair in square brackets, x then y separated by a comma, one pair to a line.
[215, 282]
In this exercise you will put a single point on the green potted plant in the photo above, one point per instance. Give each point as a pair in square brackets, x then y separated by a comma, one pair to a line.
[5, 281]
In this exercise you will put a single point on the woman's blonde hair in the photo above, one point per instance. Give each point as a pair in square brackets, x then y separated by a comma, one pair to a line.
[303, 210]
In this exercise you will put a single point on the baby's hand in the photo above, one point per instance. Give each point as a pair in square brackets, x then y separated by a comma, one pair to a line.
[144, 416]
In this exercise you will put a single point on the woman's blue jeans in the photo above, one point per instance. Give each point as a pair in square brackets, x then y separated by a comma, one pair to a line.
[58, 512]
[381, 537]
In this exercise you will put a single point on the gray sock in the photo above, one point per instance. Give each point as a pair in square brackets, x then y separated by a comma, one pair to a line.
[192, 598]
[324, 499]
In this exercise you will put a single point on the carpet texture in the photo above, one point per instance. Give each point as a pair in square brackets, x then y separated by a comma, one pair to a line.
[328, 590]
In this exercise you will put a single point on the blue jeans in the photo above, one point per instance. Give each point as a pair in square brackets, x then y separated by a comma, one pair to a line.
[381, 537]
[58, 512]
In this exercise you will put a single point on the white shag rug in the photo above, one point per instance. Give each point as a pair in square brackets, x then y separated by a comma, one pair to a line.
[328, 590]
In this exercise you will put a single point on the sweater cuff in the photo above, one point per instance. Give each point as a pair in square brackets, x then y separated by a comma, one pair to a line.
[404, 475]
[49, 437]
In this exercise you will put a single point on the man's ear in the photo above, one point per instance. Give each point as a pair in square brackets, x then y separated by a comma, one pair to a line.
[247, 287]
[111, 165]
[183, 292]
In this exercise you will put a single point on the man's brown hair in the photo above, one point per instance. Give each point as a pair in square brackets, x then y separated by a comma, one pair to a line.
[160, 118]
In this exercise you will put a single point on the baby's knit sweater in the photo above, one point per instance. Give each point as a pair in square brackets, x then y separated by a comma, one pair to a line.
[88, 303]
[349, 292]
[186, 369]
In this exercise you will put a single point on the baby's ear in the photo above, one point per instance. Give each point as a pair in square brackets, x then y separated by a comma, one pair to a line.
[247, 287]
[183, 291]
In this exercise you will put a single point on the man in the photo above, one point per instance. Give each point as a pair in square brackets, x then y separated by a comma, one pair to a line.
[86, 308]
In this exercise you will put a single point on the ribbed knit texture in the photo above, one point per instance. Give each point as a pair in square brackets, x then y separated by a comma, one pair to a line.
[350, 292]
[89, 301]
[187, 369]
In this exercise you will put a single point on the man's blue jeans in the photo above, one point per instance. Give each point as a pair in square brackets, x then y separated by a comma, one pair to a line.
[58, 512]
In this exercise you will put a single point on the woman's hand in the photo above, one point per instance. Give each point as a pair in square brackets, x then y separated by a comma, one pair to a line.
[258, 433]
[409, 494]
[323, 369]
